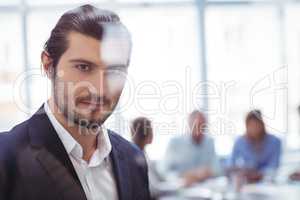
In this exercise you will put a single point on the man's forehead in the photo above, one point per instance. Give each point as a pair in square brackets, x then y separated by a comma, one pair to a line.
[197, 115]
[82, 46]
[111, 50]
[115, 44]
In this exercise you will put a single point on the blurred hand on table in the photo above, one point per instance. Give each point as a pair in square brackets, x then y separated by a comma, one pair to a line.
[295, 176]
[196, 175]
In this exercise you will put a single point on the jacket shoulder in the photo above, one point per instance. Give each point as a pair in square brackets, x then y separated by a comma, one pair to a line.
[123, 144]
[12, 141]
[133, 153]
[17, 134]
[137, 164]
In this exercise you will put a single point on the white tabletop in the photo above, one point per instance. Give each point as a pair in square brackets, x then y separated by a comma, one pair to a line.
[218, 189]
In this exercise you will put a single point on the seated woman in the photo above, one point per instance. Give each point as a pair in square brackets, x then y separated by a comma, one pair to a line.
[256, 153]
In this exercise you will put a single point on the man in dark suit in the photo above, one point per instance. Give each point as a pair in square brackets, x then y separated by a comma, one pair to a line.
[64, 151]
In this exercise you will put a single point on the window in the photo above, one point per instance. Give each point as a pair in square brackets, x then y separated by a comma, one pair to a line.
[245, 70]
[40, 25]
[164, 62]
[292, 38]
[9, 2]
[11, 65]
[61, 2]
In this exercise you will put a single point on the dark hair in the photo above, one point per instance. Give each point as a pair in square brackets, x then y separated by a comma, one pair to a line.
[257, 116]
[195, 113]
[254, 115]
[141, 127]
[85, 19]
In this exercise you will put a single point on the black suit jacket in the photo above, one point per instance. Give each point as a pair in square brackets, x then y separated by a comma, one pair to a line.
[34, 165]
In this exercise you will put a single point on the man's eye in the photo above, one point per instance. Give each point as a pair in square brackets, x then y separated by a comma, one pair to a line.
[83, 67]
[115, 72]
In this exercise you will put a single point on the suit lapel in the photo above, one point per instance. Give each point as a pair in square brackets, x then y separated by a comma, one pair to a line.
[120, 169]
[53, 157]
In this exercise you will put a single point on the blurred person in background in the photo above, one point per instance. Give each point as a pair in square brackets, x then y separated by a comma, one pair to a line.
[142, 135]
[192, 156]
[141, 132]
[257, 153]
[295, 176]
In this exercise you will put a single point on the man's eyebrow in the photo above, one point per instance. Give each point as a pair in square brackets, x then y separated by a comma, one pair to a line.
[115, 66]
[120, 66]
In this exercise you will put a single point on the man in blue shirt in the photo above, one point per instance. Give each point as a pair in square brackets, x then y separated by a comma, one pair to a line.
[192, 156]
[257, 152]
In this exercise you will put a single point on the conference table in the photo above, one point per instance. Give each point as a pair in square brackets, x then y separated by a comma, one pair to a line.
[220, 189]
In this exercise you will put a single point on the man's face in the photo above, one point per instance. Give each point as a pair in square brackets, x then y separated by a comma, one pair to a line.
[86, 89]
[149, 139]
[197, 126]
[255, 129]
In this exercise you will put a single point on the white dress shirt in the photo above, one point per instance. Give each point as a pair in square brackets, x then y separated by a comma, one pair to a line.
[96, 176]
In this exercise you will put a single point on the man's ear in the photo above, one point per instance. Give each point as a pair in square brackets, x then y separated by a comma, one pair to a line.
[47, 64]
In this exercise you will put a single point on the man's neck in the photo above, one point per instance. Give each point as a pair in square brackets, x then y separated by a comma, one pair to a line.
[87, 140]
[198, 138]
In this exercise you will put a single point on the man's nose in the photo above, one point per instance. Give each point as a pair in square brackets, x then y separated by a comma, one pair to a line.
[100, 83]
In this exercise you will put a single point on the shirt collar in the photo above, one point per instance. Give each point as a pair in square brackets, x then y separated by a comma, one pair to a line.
[73, 147]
